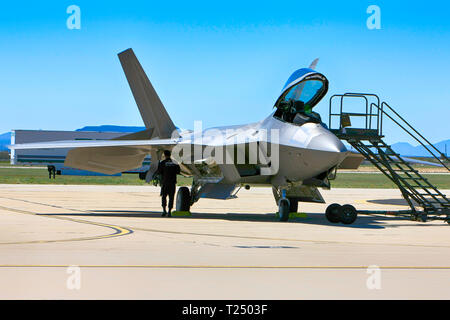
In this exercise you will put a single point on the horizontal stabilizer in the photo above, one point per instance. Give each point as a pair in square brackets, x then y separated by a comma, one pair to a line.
[140, 135]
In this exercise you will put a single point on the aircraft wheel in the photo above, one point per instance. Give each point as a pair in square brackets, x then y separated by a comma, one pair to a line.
[293, 205]
[348, 214]
[183, 199]
[333, 213]
[283, 209]
[142, 175]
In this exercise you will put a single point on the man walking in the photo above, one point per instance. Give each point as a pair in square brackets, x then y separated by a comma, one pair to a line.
[168, 170]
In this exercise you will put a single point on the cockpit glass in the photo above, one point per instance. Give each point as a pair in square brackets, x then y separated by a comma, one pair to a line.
[304, 91]
[296, 104]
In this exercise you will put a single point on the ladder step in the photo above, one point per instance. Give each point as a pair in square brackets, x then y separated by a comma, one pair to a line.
[417, 188]
[434, 207]
[435, 203]
[421, 187]
[445, 204]
[439, 201]
[416, 180]
[429, 192]
[403, 170]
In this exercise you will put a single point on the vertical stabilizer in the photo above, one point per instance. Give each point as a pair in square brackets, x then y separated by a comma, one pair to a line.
[150, 106]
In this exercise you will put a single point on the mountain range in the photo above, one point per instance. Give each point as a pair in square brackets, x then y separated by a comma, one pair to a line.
[402, 148]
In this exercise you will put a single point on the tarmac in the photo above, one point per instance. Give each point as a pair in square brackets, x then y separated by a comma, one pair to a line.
[110, 242]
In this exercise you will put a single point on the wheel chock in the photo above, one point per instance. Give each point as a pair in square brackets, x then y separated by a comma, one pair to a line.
[294, 215]
[181, 214]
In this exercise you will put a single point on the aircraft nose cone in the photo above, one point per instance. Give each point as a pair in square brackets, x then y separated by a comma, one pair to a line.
[327, 142]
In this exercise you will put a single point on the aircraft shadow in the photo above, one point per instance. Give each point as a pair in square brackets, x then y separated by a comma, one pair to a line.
[363, 221]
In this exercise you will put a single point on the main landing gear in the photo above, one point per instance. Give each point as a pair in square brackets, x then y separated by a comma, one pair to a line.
[336, 213]
[183, 201]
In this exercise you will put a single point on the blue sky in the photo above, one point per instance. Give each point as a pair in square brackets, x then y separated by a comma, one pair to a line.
[220, 62]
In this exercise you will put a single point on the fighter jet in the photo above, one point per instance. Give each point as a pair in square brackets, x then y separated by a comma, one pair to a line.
[291, 150]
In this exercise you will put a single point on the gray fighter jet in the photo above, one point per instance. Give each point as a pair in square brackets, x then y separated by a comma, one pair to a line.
[291, 150]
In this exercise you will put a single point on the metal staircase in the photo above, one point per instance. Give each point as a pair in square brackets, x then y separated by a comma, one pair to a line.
[424, 198]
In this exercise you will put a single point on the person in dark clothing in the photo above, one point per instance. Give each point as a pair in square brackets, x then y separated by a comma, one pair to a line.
[51, 171]
[168, 170]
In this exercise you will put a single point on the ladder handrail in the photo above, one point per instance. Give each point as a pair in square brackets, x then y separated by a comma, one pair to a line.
[420, 135]
[368, 113]
[379, 119]
[341, 104]
[381, 111]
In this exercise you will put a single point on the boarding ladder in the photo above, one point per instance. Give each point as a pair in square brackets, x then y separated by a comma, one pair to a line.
[424, 198]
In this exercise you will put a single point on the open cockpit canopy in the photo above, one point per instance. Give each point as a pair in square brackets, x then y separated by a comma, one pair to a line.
[301, 93]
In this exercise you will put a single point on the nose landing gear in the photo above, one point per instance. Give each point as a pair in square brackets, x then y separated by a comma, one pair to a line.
[283, 209]
[286, 205]
[346, 214]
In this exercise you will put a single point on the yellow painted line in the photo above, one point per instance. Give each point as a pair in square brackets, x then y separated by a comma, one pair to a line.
[118, 230]
[226, 267]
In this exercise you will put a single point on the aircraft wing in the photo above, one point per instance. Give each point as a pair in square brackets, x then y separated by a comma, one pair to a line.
[140, 144]
[104, 156]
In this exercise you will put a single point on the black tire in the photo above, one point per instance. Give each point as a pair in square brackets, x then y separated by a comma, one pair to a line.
[293, 205]
[333, 213]
[183, 202]
[283, 209]
[142, 175]
[348, 214]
